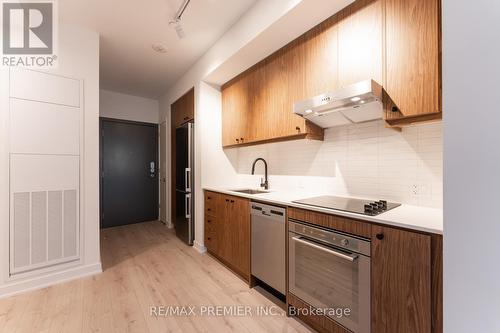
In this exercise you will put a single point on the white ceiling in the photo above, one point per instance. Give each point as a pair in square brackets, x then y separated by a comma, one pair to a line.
[128, 28]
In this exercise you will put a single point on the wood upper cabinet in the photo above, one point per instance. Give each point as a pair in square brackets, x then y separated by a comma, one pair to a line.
[394, 42]
[257, 106]
[401, 281]
[321, 59]
[413, 51]
[236, 104]
[227, 230]
[283, 85]
[360, 42]
[182, 110]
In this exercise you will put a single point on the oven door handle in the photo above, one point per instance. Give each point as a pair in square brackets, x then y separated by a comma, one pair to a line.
[351, 257]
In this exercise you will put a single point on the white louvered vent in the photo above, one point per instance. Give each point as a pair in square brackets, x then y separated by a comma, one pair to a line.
[45, 229]
[21, 230]
[38, 227]
[55, 221]
[70, 223]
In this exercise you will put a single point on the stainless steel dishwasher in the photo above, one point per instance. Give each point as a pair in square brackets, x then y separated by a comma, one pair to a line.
[268, 244]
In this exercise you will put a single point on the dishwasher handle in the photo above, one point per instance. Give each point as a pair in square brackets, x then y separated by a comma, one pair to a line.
[267, 211]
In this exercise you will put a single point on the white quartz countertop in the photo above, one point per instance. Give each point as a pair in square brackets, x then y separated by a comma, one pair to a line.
[405, 216]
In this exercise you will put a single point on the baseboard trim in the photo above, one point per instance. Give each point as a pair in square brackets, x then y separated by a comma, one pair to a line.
[199, 247]
[46, 280]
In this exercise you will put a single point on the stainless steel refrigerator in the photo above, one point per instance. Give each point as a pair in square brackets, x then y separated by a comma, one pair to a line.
[184, 211]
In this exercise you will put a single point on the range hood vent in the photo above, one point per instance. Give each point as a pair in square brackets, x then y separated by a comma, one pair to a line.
[357, 103]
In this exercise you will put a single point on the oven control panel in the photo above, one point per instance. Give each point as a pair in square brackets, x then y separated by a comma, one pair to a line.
[330, 237]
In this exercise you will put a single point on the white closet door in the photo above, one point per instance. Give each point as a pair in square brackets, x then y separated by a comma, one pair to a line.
[45, 144]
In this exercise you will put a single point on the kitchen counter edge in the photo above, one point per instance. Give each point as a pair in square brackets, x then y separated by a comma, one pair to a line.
[423, 219]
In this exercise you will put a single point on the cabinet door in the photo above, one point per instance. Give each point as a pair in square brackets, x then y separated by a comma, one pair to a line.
[360, 43]
[401, 281]
[284, 84]
[236, 106]
[321, 58]
[412, 57]
[224, 249]
[257, 92]
[183, 109]
[228, 234]
[176, 111]
[211, 234]
[239, 226]
[294, 60]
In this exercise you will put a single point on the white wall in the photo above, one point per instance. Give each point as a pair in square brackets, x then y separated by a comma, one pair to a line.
[78, 58]
[128, 107]
[471, 73]
[366, 159]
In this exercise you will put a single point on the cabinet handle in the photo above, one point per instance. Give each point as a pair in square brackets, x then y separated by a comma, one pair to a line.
[297, 128]
[208, 198]
[380, 236]
[209, 238]
[227, 200]
[186, 118]
[209, 209]
[232, 201]
[241, 139]
[394, 109]
[238, 140]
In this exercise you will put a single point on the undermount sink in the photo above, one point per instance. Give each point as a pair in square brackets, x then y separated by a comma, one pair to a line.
[250, 191]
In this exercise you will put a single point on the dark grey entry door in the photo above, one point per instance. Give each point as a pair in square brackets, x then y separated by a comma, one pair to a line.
[129, 180]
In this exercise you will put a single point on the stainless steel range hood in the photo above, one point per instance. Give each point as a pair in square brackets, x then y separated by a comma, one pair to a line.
[357, 103]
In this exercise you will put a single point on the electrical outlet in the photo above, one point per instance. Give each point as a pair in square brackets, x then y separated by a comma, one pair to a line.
[415, 189]
[419, 189]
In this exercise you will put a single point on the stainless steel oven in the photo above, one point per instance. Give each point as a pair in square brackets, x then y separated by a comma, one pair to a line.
[330, 271]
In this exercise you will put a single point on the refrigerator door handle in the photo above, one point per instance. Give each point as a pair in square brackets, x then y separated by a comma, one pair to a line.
[188, 206]
[187, 175]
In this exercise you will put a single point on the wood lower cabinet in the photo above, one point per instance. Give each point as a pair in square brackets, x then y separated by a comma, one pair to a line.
[406, 266]
[227, 231]
[212, 234]
[406, 276]
[401, 281]
[213, 225]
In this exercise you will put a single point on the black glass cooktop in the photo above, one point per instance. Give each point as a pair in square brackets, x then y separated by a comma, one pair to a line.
[365, 207]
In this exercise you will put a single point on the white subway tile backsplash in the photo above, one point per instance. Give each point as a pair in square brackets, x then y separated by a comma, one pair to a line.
[366, 160]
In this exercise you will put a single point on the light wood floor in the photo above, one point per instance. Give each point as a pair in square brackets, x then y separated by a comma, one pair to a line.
[144, 265]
